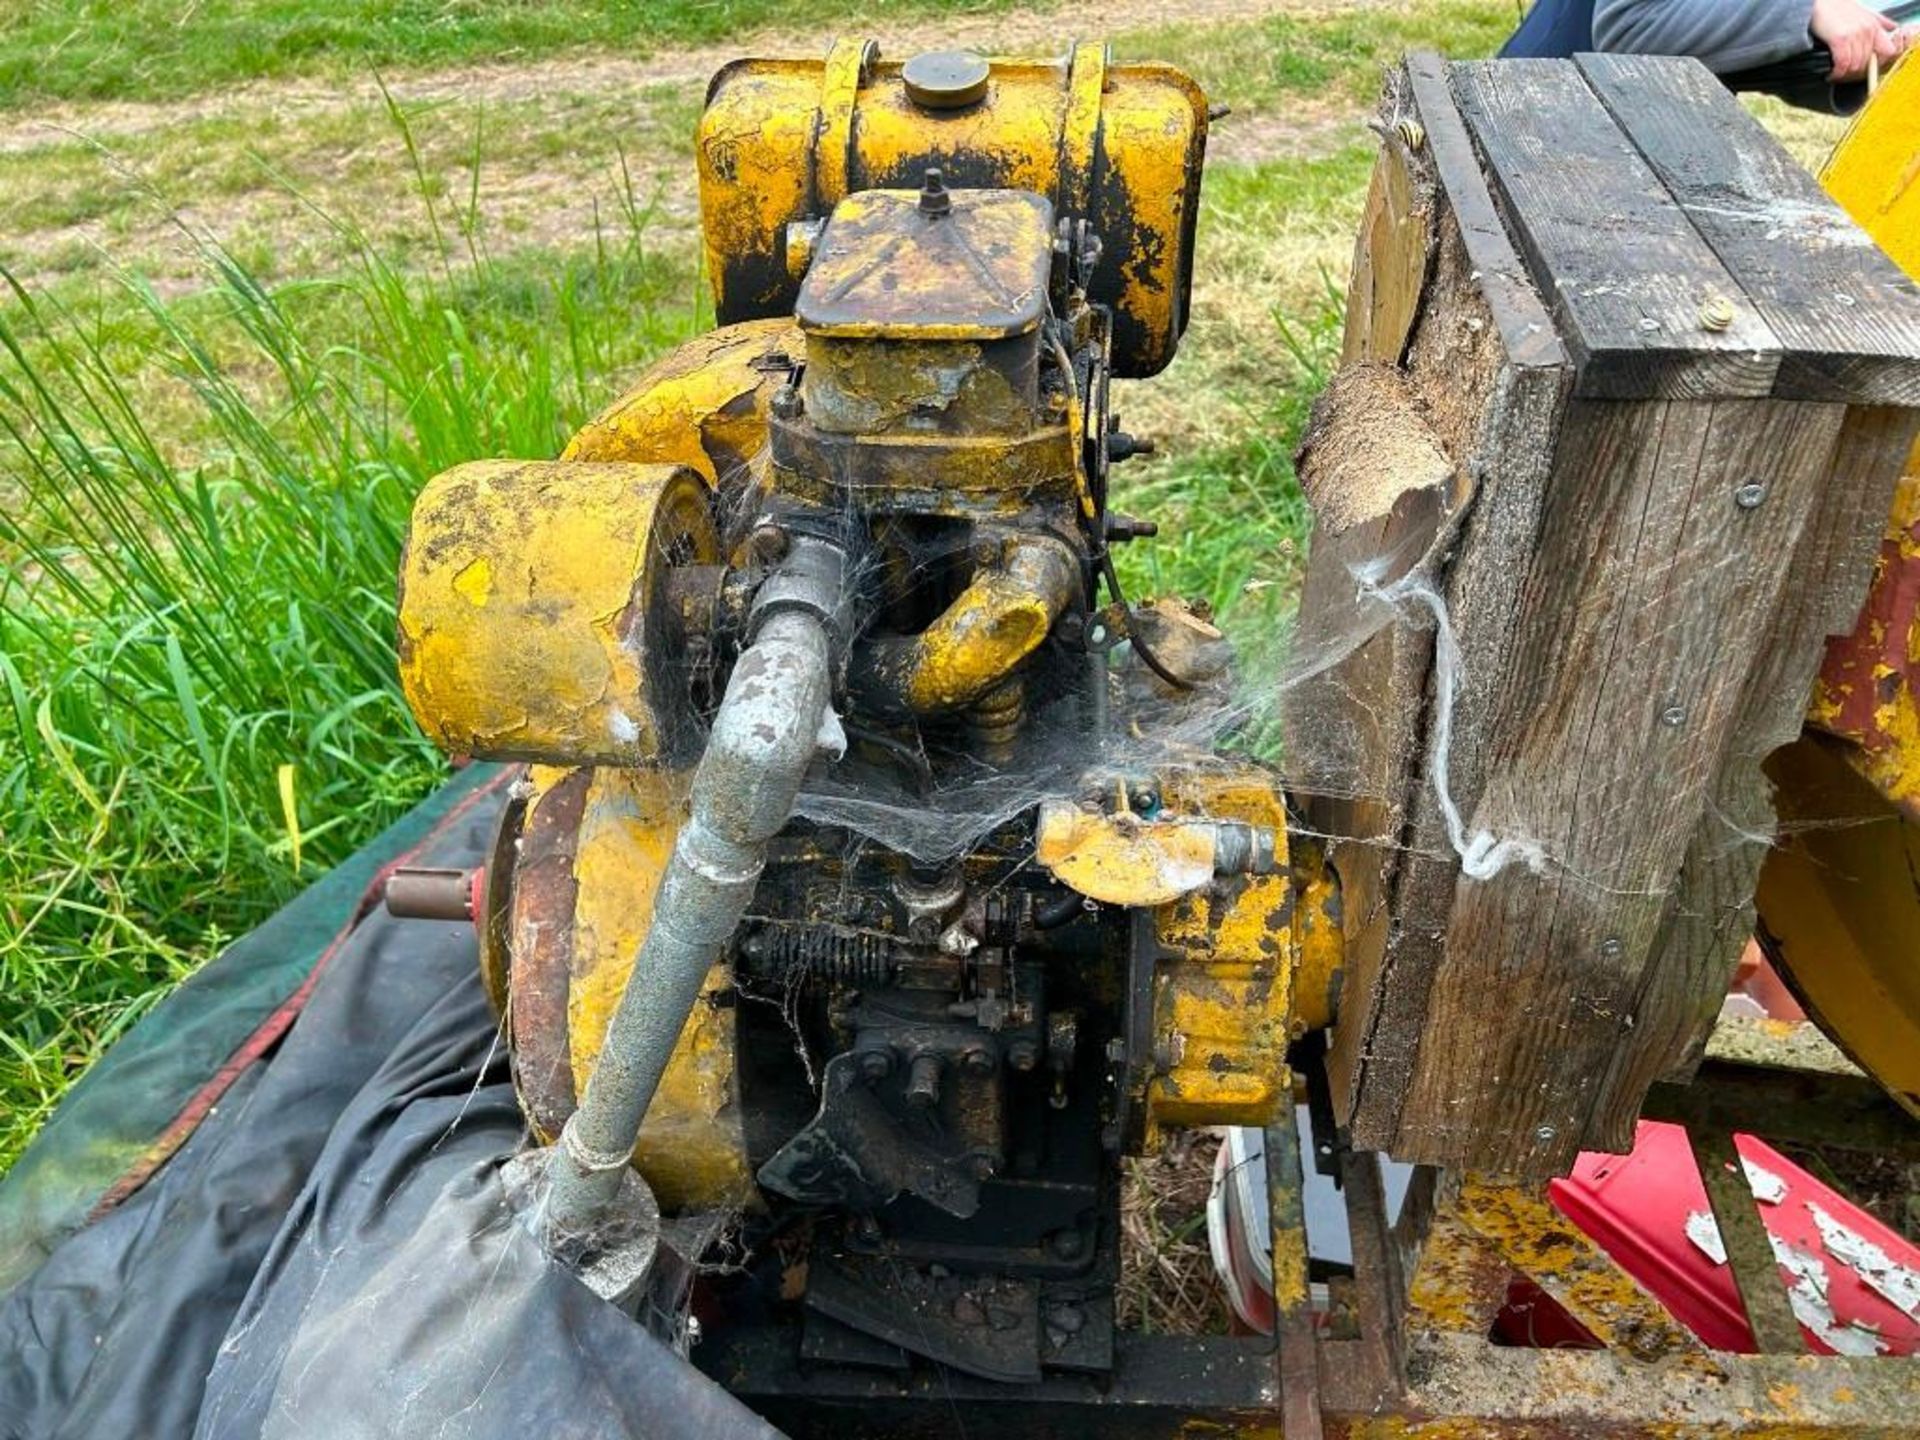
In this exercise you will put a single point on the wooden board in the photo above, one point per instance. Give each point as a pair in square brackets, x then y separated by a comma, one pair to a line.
[1847, 318]
[1658, 532]
[1624, 271]
[1650, 593]
[1486, 360]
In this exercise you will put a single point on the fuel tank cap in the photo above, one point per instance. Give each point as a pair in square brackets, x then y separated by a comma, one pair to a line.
[945, 79]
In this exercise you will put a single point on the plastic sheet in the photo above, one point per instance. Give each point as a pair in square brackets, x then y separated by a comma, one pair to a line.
[330, 1252]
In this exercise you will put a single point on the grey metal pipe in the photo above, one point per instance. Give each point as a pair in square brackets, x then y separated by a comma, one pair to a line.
[772, 721]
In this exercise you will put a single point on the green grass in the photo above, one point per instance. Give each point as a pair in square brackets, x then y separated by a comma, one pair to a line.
[196, 624]
[1323, 59]
[160, 49]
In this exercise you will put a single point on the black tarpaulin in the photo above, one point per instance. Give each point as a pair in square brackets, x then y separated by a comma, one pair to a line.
[327, 1249]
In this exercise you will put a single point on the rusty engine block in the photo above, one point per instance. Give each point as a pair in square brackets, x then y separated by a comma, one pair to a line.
[875, 876]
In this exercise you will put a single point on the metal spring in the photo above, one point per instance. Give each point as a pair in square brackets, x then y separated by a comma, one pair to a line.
[822, 952]
[996, 717]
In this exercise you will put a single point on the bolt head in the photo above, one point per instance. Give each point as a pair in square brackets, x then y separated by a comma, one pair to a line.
[979, 1060]
[768, 542]
[876, 1064]
[1545, 1134]
[1066, 1244]
[1749, 495]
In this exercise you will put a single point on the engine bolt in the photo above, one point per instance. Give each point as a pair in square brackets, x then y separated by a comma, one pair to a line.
[768, 542]
[1023, 1055]
[923, 1082]
[876, 1064]
[979, 1060]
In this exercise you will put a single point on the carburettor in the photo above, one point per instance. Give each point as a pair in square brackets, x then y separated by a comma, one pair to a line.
[873, 875]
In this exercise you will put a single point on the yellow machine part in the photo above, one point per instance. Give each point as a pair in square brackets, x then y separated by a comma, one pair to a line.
[783, 141]
[703, 405]
[1223, 1002]
[587, 859]
[1838, 899]
[1874, 173]
[691, 1149]
[533, 619]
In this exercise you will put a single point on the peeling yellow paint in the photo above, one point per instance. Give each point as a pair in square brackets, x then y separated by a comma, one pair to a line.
[691, 1149]
[557, 664]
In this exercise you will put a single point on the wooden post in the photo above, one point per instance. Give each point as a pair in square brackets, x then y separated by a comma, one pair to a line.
[1624, 396]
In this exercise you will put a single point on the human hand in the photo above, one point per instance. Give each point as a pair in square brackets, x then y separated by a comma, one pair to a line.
[1855, 35]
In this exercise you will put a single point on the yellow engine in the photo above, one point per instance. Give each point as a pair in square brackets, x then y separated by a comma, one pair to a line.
[878, 870]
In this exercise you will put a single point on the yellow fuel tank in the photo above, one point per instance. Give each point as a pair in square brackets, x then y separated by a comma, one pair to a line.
[782, 141]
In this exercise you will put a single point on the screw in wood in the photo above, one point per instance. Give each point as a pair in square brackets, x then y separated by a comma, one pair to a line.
[1545, 1134]
[1716, 313]
[1673, 714]
[1749, 495]
[1611, 947]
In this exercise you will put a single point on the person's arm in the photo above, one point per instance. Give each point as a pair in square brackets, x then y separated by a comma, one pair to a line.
[1728, 37]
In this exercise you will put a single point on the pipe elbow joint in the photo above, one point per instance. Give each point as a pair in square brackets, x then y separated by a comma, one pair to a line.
[1000, 619]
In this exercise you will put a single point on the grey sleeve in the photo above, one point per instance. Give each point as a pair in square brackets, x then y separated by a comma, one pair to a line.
[1722, 35]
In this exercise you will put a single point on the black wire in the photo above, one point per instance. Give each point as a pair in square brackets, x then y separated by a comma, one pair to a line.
[1148, 658]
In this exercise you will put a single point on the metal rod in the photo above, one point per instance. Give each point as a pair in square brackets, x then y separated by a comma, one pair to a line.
[1756, 1274]
[773, 719]
[1293, 1334]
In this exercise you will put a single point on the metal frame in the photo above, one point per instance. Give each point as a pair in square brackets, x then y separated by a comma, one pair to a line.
[1419, 1361]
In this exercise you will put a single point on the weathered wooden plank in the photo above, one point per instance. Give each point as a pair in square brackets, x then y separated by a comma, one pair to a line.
[1650, 598]
[1500, 275]
[1710, 914]
[1847, 317]
[1623, 271]
[1498, 420]
[1487, 372]
[1394, 249]
[1385, 497]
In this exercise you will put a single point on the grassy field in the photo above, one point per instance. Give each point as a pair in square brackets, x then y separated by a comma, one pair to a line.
[257, 292]
[150, 49]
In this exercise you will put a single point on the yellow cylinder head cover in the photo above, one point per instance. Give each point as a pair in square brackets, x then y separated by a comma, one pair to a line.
[535, 622]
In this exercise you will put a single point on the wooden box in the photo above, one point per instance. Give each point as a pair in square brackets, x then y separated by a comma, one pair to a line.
[1623, 400]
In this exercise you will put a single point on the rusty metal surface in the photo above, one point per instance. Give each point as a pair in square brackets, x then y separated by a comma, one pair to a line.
[930, 264]
[1537, 1241]
[1743, 1235]
[1293, 1323]
[543, 896]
